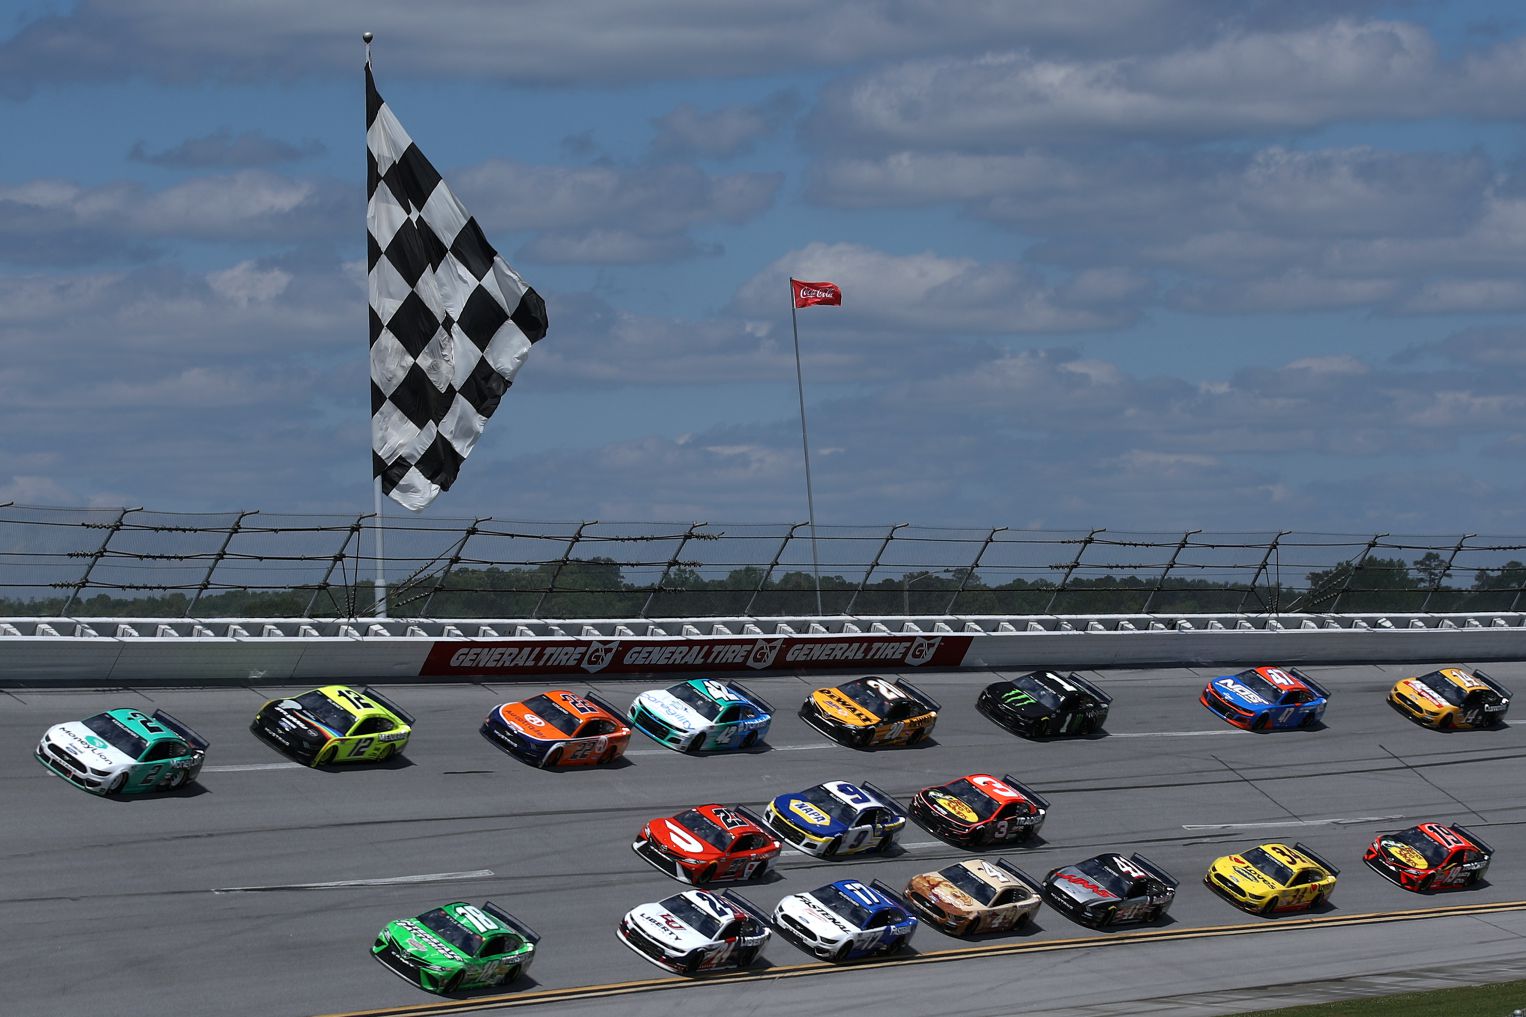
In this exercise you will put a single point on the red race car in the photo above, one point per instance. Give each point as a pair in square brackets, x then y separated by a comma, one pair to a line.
[708, 843]
[1431, 856]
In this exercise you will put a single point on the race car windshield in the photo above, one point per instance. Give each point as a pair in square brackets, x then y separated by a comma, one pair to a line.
[1443, 687]
[1433, 853]
[983, 805]
[547, 710]
[691, 697]
[839, 810]
[108, 728]
[966, 880]
[325, 711]
[1038, 689]
[1265, 863]
[693, 916]
[845, 907]
[704, 829]
[864, 692]
[1114, 883]
[444, 926]
[1259, 685]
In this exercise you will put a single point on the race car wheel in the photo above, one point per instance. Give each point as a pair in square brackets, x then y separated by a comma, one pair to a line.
[117, 784]
[1425, 884]
[1042, 729]
[1307, 722]
[706, 874]
[693, 744]
[608, 757]
[750, 740]
[1445, 724]
[509, 975]
[1259, 724]
[916, 736]
[1269, 907]
[1107, 917]
[692, 962]
[452, 984]
[842, 952]
[177, 779]
[384, 753]
[552, 757]
[832, 847]
[325, 755]
[886, 843]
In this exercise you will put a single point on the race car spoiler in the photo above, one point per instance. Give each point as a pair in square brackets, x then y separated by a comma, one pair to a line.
[1027, 792]
[1019, 875]
[1492, 683]
[757, 700]
[1478, 841]
[752, 817]
[604, 704]
[1091, 687]
[917, 694]
[402, 714]
[1318, 858]
[192, 739]
[884, 796]
[503, 916]
[1316, 687]
[891, 893]
[756, 913]
[1155, 870]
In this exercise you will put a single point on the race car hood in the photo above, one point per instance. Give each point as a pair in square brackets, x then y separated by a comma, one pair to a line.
[1077, 885]
[418, 941]
[675, 839]
[662, 926]
[936, 888]
[816, 916]
[1020, 704]
[807, 816]
[1245, 874]
[1236, 692]
[1424, 694]
[672, 710]
[287, 715]
[941, 801]
[1402, 853]
[839, 707]
[528, 721]
[88, 746]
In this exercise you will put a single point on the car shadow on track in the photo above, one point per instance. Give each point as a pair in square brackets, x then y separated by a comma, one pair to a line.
[523, 983]
[918, 746]
[192, 790]
[390, 763]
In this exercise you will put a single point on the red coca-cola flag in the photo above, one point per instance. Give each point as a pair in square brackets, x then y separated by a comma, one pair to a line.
[808, 293]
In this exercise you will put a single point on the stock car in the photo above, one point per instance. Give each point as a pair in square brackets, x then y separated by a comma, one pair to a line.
[559, 728]
[123, 752]
[708, 843]
[697, 931]
[335, 724]
[1451, 698]
[1272, 878]
[1430, 856]
[703, 713]
[836, 818]
[1266, 699]
[1044, 703]
[457, 946]
[979, 810]
[846, 920]
[872, 711]
[974, 896]
[1109, 889]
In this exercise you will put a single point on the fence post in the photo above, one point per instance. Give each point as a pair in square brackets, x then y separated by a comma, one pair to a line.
[1071, 568]
[217, 560]
[1161, 582]
[889, 536]
[1335, 605]
[783, 544]
[79, 584]
[334, 560]
[671, 565]
[949, 607]
[566, 557]
[455, 559]
[1446, 571]
[1271, 549]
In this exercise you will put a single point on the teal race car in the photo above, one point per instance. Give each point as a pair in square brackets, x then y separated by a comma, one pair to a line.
[123, 752]
[703, 713]
[457, 946]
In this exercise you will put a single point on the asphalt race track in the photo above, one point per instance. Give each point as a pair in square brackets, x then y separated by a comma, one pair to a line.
[210, 900]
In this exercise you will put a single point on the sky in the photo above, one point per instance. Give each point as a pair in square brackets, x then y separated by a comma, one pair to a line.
[1148, 265]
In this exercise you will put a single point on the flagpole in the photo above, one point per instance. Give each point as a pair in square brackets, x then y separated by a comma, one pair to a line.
[380, 609]
[805, 448]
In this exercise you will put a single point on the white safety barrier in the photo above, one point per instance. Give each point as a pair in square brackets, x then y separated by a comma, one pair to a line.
[235, 651]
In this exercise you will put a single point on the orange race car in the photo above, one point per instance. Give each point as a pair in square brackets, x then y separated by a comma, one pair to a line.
[559, 728]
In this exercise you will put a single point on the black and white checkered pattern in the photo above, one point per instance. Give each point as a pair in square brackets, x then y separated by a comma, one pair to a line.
[451, 322]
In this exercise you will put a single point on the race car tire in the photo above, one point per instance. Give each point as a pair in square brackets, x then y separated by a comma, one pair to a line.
[1268, 908]
[1107, 918]
[917, 736]
[1445, 723]
[1307, 722]
[1473, 878]
[1042, 729]
[177, 780]
[1426, 882]
[842, 952]
[832, 846]
[750, 740]
[325, 755]
[115, 787]
[552, 757]
[886, 843]
[509, 975]
[452, 984]
[693, 744]
[384, 753]
[863, 738]
[1260, 723]
[608, 757]
[706, 874]
[692, 962]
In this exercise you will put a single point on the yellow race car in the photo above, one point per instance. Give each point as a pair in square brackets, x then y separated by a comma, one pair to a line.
[335, 724]
[1451, 698]
[872, 711]
[1272, 878]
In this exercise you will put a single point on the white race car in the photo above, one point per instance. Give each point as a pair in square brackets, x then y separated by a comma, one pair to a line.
[703, 713]
[846, 920]
[697, 931]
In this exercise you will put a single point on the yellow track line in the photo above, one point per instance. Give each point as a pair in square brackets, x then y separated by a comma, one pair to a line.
[1002, 949]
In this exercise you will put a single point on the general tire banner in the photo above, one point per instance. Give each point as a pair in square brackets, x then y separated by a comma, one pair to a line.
[497, 657]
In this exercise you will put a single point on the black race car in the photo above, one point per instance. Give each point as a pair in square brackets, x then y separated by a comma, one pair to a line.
[1043, 703]
[1110, 889]
[978, 809]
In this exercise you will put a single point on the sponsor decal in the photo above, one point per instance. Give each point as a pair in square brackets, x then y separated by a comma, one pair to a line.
[1425, 692]
[1405, 855]
[1230, 685]
[1076, 879]
[953, 806]
[1017, 697]
[95, 741]
[451, 658]
[808, 812]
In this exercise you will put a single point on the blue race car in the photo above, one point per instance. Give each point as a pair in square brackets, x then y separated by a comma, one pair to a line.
[1267, 698]
[846, 919]
[703, 713]
[837, 818]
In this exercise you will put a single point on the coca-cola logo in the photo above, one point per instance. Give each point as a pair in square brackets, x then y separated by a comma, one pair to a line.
[811, 291]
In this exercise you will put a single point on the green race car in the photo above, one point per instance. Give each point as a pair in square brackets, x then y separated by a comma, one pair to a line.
[335, 724]
[123, 752]
[457, 946]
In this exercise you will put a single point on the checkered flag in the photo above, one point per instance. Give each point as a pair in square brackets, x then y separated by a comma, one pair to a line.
[451, 322]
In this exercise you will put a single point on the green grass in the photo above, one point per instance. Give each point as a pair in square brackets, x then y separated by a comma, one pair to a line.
[1496, 1000]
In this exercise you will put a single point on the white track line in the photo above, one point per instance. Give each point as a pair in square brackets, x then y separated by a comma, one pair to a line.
[428, 877]
[243, 767]
[1175, 734]
[1290, 822]
[771, 748]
